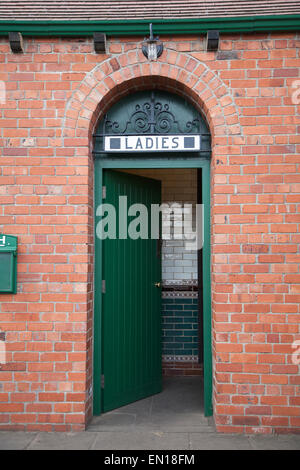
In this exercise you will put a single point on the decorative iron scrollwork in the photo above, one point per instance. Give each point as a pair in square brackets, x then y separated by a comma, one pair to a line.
[152, 117]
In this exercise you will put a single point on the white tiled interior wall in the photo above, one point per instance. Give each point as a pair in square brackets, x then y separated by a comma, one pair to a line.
[180, 186]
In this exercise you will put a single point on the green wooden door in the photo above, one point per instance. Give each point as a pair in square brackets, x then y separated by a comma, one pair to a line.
[131, 342]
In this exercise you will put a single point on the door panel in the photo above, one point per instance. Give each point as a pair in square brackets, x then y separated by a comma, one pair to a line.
[131, 345]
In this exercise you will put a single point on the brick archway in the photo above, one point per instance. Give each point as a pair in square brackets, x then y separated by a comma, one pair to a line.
[175, 71]
[114, 78]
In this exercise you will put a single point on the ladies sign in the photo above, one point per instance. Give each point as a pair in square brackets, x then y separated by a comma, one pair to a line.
[152, 143]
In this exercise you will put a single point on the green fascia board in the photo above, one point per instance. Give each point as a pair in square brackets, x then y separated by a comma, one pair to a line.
[160, 26]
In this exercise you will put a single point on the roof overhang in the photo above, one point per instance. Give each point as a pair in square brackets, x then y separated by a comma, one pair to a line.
[188, 26]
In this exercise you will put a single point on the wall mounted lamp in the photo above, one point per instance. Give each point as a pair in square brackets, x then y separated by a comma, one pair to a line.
[152, 47]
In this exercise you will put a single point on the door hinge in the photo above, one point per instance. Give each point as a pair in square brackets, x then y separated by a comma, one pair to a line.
[103, 287]
[103, 192]
[102, 381]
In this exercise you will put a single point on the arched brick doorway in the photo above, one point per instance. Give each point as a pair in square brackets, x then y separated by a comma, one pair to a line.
[115, 78]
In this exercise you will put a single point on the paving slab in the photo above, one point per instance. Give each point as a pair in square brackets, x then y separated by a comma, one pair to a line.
[15, 440]
[112, 422]
[277, 442]
[219, 442]
[62, 441]
[171, 421]
[142, 440]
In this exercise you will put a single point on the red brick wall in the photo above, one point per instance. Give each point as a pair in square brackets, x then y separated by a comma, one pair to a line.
[55, 93]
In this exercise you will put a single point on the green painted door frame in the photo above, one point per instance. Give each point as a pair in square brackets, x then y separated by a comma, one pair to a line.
[145, 163]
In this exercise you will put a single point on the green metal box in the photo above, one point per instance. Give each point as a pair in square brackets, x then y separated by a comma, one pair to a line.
[8, 264]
